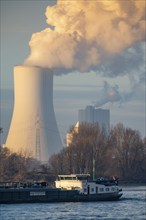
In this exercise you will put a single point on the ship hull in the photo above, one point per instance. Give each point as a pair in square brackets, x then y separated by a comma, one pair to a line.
[46, 195]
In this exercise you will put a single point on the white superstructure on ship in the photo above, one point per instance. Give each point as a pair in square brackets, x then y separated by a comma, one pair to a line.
[82, 183]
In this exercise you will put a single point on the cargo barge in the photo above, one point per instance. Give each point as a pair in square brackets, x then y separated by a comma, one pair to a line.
[69, 188]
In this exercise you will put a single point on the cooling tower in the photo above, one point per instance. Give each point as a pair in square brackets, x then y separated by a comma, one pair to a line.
[33, 130]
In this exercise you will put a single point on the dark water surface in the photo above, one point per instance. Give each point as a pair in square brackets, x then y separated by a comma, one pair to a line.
[132, 206]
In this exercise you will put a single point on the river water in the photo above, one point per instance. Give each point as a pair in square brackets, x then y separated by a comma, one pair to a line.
[132, 206]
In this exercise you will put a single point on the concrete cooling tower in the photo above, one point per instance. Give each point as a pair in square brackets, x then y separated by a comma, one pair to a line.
[33, 130]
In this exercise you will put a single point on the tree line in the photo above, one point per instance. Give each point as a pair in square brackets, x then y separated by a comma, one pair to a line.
[121, 153]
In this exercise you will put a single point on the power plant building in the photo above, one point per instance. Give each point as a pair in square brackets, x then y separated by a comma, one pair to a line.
[95, 115]
[33, 130]
[90, 115]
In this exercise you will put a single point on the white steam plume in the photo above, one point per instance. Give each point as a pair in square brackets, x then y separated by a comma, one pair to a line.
[113, 94]
[108, 94]
[86, 34]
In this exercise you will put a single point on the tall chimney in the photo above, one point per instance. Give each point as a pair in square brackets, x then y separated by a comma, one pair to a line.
[33, 130]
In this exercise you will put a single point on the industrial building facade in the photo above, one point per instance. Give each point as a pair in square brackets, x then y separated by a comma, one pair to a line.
[92, 114]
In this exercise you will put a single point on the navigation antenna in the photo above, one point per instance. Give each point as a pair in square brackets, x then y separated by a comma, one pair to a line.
[38, 147]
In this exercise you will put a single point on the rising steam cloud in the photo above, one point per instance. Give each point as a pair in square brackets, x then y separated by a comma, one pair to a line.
[83, 35]
[108, 94]
[113, 93]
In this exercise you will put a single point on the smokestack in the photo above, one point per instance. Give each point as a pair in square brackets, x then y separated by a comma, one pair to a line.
[33, 129]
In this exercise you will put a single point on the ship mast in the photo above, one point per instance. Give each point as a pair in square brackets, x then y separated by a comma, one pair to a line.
[93, 164]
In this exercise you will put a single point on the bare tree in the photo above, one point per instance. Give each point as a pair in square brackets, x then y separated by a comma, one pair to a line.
[86, 151]
[128, 151]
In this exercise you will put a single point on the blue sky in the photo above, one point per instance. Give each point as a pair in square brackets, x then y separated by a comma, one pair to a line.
[19, 19]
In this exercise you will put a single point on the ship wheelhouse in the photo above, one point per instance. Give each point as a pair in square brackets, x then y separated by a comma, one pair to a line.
[84, 185]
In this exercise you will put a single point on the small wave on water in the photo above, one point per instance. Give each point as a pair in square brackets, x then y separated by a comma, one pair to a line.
[134, 189]
[133, 199]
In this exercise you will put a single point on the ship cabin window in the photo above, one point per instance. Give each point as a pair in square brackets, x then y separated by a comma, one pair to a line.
[101, 189]
[113, 189]
[85, 190]
[107, 189]
[82, 177]
[68, 177]
[92, 189]
[61, 178]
